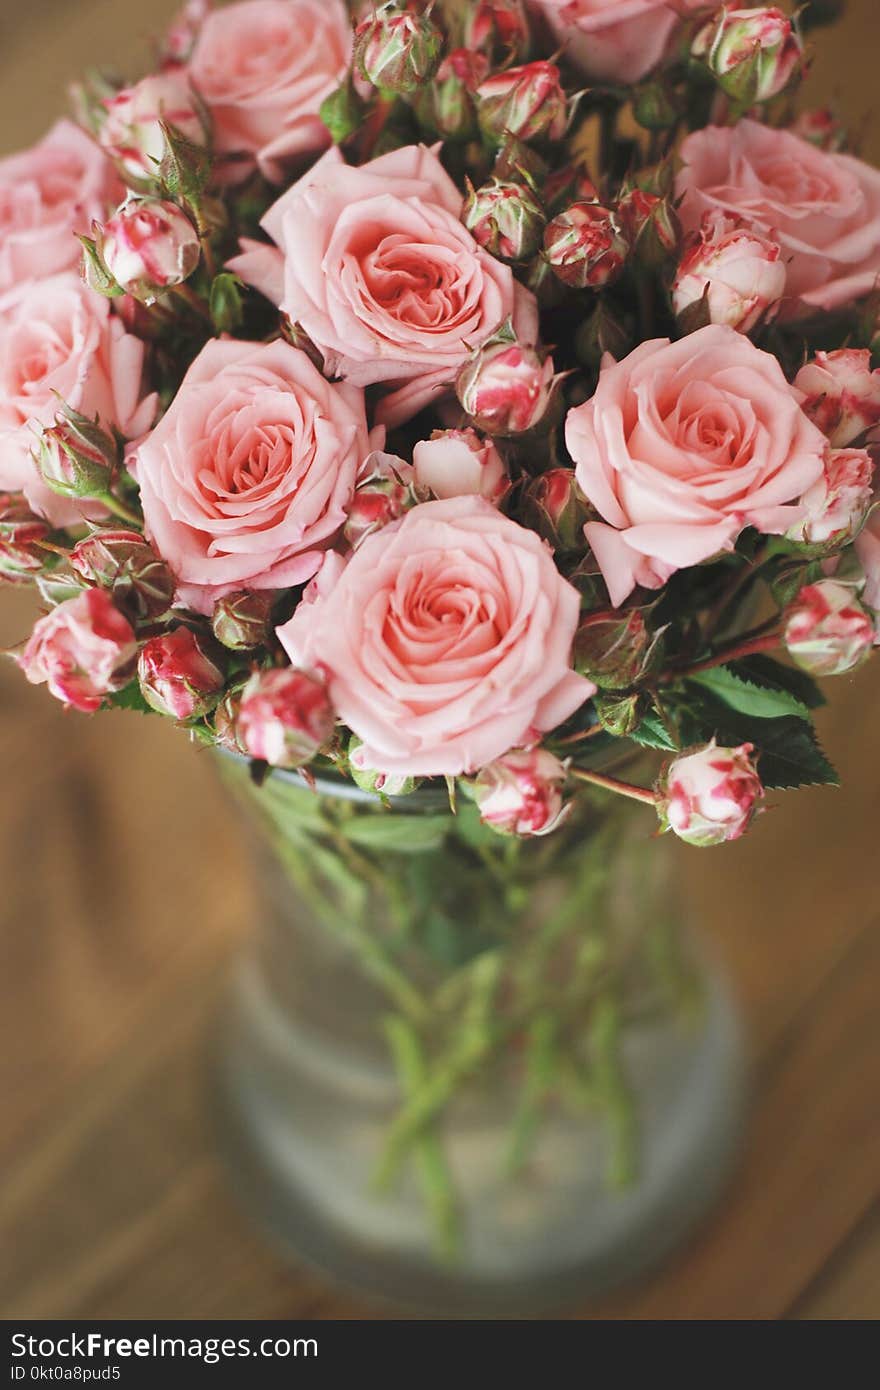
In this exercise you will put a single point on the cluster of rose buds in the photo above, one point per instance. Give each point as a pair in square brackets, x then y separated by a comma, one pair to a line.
[709, 796]
[841, 394]
[284, 717]
[752, 54]
[176, 676]
[506, 218]
[84, 650]
[456, 463]
[120, 561]
[397, 50]
[521, 793]
[526, 102]
[827, 630]
[148, 246]
[505, 386]
[585, 246]
[728, 274]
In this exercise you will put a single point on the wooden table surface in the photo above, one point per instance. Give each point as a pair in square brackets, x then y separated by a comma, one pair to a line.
[125, 894]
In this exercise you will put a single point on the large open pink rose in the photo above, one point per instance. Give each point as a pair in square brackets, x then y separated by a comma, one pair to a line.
[615, 40]
[445, 641]
[379, 271]
[48, 193]
[59, 341]
[263, 68]
[821, 209]
[681, 447]
[247, 477]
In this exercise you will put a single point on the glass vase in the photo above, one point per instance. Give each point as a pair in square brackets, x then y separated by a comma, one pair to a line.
[471, 1074]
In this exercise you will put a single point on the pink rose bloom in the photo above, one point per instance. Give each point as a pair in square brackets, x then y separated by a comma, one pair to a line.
[247, 477]
[48, 193]
[681, 447]
[263, 68]
[842, 393]
[734, 273]
[456, 463]
[82, 650]
[615, 40]
[377, 269]
[822, 209]
[59, 339]
[445, 641]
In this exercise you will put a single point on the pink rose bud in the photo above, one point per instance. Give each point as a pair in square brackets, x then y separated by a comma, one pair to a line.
[383, 493]
[224, 722]
[821, 128]
[120, 560]
[83, 650]
[447, 105]
[506, 218]
[497, 28]
[180, 37]
[148, 246]
[556, 508]
[76, 458]
[709, 796]
[526, 102]
[837, 504]
[521, 793]
[285, 717]
[753, 54]
[397, 50]
[842, 393]
[504, 386]
[457, 463]
[176, 677]
[827, 630]
[131, 132]
[728, 274]
[649, 224]
[369, 779]
[586, 246]
[570, 184]
[613, 648]
[21, 534]
[242, 621]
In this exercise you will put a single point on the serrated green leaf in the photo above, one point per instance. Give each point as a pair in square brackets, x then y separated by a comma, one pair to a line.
[400, 834]
[130, 698]
[766, 671]
[791, 756]
[652, 733]
[759, 701]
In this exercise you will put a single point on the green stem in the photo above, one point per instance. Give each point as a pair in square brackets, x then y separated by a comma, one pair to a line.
[118, 508]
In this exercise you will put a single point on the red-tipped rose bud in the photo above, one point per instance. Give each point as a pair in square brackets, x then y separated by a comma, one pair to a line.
[497, 28]
[457, 463]
[369, 779]
[176, 677]
[586, 246]
[180, 37]
[728, 274]
[842, 393]
[242, 621]
[148, 246]
[132, 129]
[397, 50]
[521, 793]
[506, 218]
[505, 387]
[21, 533]
[837, 504]
[753, 54]
[822, 128]
[527, 102]
[556, 508]
[447, 105]
[120, 560]
[570, 184]
[77, 458]
[709, 796]
[83, 650]
[827, 630]
[649, 224]
[613, 648]
[383, 493]
[285, 717]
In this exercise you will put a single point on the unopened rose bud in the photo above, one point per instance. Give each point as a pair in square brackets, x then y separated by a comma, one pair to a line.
[619, 714]
[556, 508]
[842, 393]
[224, 724]
[649, 224]
[728, 274]
[176, 677]
[21, 535]
[180, 37]
[586, 246]
[821, 128]
[827, 630]
[505, 387]
[369, 779]
[526, 102]
[837, 504]
[132, 131]
[655, 106]
[753, 54]
[83, 650]
[613, 648]
[709, 796]
[76, 458]
[344, 110]
[284, 717]
[121, 561]
[458, 463]
[606, 330]
[506, 218]
[383, 493]
[447, 104]
[242, 621]
[397, 50]
[148, 246]
[497, 28]
[521, 793]
[570, 184]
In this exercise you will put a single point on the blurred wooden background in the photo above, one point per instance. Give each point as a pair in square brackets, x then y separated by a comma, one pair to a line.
[125, 894]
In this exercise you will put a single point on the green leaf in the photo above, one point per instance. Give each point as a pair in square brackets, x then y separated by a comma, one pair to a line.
[791, 756]
[400, 834]
[759, 701]
[225, 302]
[130, 698]
[652, 733]
[771, 674]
